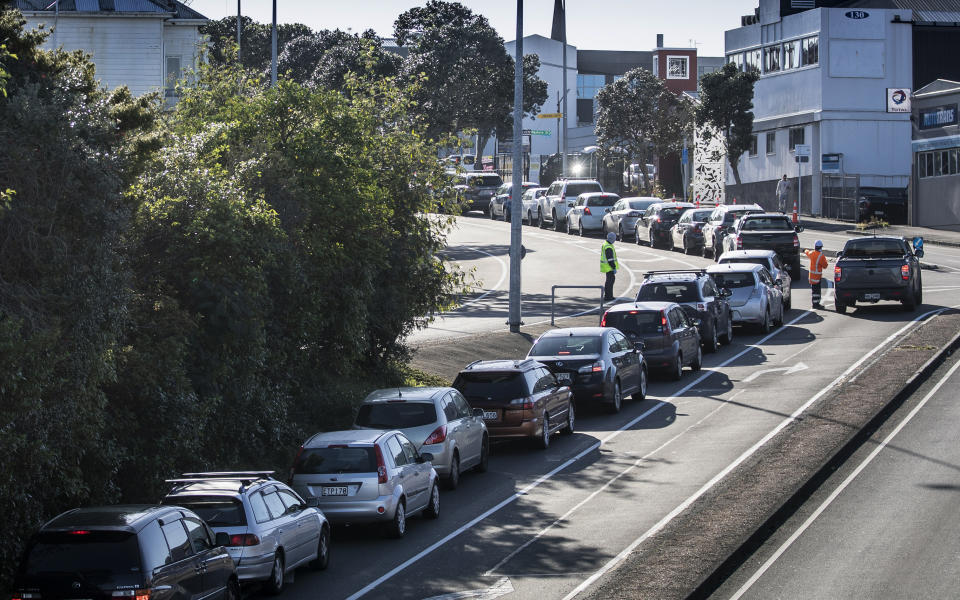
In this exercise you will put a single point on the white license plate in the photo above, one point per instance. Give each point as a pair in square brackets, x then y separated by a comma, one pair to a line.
[490, 415]
[871, 296]
[334, 491]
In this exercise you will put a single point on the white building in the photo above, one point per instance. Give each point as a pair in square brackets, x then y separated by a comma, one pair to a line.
[145, 45]
[835, 79]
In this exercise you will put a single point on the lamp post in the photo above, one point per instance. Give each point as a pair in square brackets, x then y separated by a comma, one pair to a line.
[516, 206]
[239, 55]
[273, 43]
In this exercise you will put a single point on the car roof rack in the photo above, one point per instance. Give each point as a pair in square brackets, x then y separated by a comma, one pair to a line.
[675, 272]
[244, 477]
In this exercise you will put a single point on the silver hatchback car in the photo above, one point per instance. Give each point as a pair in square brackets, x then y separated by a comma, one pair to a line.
[272, 530]
[367, 476]
[437, 420]
[770, 260]
[754, 296]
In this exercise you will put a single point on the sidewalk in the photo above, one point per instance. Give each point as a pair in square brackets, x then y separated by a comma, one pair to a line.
[947, 236]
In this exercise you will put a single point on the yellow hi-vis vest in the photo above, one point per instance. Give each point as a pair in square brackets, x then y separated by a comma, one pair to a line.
[604, 265]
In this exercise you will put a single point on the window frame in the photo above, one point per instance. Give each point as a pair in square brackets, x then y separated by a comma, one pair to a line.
[771, 135]
[754, 150]
[686, 66]
[792, 137]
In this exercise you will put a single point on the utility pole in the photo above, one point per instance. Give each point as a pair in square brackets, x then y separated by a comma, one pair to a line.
[273, 42]
[516, 206]
[239, 55]
[565, 90]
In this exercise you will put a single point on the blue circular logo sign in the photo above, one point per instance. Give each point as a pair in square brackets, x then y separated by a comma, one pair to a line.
[898, 97]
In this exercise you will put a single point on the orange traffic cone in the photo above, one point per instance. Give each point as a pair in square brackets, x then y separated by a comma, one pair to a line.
[795, 219]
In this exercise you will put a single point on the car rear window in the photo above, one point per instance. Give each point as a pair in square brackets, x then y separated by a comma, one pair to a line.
[562, 345]
[759, 260]
[641, 204]
[396, 415]
[217, 511]
[640, 322]
[484, 180]
[767, 223]
[668, 292]
[575, 189]
[97, 553]
[497, 386]
[670, 213]
[873, 248]
[701, 216]
[602, 201]
[351, 459]
[733, 280]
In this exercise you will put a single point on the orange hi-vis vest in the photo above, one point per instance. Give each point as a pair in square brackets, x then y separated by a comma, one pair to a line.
[818, 262]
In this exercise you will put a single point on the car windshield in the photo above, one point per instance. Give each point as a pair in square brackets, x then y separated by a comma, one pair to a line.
[562, 345]
[873, 248]
[767, 223]
[602, 201]
[85, 552]
[396, 415]
[733, 280]
[641, 204]
[676, 291]
[217, 511]
[484, 180]
[640, 322]
[336, 459]
[498, 386]
[575, 189]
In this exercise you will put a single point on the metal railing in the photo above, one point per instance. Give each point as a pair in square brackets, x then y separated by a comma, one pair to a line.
[839, 194]
[553, 296]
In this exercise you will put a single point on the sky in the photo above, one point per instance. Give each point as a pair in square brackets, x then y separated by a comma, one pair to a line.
[591, 24]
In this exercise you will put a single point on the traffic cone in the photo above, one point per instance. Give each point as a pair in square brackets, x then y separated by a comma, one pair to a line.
[698, 200]
[734, 199]
[795, 219]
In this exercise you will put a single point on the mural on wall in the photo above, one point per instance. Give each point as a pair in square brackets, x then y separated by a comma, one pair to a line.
[709, 160]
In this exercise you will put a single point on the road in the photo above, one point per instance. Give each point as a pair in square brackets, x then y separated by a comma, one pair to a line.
[545, 524]
[883, 526]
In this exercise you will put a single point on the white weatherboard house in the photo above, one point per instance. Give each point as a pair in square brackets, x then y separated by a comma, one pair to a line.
[146, 45]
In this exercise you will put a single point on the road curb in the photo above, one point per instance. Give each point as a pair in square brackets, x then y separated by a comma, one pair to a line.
[740, 555]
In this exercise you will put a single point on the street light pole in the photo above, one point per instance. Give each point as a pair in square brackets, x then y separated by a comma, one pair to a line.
[516, 206]
[239, 54]
[565, 91]
[273, 43]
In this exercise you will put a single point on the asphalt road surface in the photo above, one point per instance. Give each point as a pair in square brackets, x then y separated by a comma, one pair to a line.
[883, 526]
[545, 524]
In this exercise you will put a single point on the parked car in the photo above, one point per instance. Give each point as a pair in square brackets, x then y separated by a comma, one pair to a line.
[272, 530]
[694, 289]
[436, 419]
[719, 223]
[887, 204]
[475, 189]
[531, 203]
[603, 364]
[770, 260]
[110, 551]
[633, 176]
[518, 399]
[754, 296]
[622, 219]
[878, 268]
[560, 197]
[500, 204]
[367, 476]
[670, 340]
[767, 231]
[654, 226]
[687, 233]
[588, 212]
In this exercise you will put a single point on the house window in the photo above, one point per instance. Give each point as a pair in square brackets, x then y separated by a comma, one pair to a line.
[752, 60]
[796, 137]
[589, 85]
[678, 67]
[771, 59]
[736, 59]
[771, 142]
[791, 55]
[753, 146]
[810, 51]
[656, 66]
[172, 76]
[938, 163]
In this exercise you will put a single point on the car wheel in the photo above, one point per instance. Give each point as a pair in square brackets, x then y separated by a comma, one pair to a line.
[323, 550]
[788, 304]
[641, 392]
[543, 442]
[492, 216]
[795, 270]
[779, 320]
[530, 218]
[274, 585]
[620, 233]
[484, 463]
[910, 303]
[765, 326]
[433, 505]
[840, 306]
[728, 334]
[556, 222]
[677, 371]
[506, 216]
[398, 525]
[540, 223]
[705, 252]
[717, 251]
[617, 400]
[919, 294]
[712, 343]
[636, 236]
[571, 419]
[233, 590]
[653, 239]
[453, 479]
[580, 227]
[568, 227]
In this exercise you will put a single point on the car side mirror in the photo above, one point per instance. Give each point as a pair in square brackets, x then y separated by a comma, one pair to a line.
[478, 412]
[778, 281]
[639, 346]
[697, 323]
[564, 378]
[425, 457]
[726, 293]
[798, 228]
[313, 502]
[919, 252]
[222, 538]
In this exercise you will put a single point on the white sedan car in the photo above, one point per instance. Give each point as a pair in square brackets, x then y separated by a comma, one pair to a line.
[588, 212]
[531, 203]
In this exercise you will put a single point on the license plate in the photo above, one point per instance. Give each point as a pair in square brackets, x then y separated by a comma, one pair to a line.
[871, 296]
[334, 491]
[490, 415]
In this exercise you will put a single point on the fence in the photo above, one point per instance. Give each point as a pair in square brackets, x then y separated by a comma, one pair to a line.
[839, 194]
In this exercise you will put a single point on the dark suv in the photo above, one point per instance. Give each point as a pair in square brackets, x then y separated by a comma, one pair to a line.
[697, 290]
[127, 550]
[519, 398]
[476, 189]
[670, 339]
[655, 224]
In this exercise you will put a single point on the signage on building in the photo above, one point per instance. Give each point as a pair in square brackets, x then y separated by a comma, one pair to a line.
[856, 14]
[830, 163]
[898, 100]
[802, 149]
[938, 116]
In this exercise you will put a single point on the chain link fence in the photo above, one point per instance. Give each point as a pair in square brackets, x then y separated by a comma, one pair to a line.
[839, 194]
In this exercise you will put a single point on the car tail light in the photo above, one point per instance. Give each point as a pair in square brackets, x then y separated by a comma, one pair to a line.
[381, 466]
[603, 321]
[739, 242]
[905, 272]
[438, 436]
[837, 272]
[132, 594]
[796, 241]
[293, 467]
[596, 367]
[244, 539]
[79, 532]
[586, 210]
[523, 403]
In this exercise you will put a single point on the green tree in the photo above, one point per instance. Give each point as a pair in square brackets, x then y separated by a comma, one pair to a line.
[726, 111]
[639, 118]
[256, 42]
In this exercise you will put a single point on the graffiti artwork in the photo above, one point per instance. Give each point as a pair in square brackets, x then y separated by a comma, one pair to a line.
[709, 169]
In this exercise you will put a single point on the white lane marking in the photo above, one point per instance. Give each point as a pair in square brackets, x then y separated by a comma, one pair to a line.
[549, 475]
[606, 485]
[846, 482]
[740, 459]
[786, 371]
[501, 588]
[503, 275]
[806, 347]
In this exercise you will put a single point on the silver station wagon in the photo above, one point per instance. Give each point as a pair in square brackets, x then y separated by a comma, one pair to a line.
[367, 476]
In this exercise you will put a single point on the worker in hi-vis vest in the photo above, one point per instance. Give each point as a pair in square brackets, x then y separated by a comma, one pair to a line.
[609, 265]
[818, 262]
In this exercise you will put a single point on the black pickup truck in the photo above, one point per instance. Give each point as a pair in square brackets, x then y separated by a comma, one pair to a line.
[767, 231]
[878, 268]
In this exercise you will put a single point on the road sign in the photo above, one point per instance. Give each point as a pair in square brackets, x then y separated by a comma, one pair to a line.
[684, 156]
[802, 149]
[538, 132]
[550, 116]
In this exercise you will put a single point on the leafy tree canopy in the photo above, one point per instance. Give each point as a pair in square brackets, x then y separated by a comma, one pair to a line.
[726, 108]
